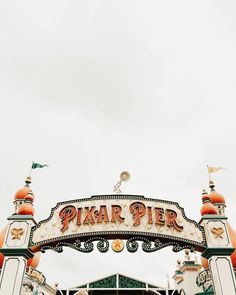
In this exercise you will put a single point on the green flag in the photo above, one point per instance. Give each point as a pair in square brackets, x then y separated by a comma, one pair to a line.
[37, 165]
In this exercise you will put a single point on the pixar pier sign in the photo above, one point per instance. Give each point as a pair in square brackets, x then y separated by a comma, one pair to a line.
[118, 216]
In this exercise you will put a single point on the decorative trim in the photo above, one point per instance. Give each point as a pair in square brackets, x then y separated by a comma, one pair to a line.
[209, 252]
[86, 247]
[217, 232]
[26, 253]
[16, 233]
[36, 275]
[124, 235]
[213, 217]
[22, 217]
[152, 246]
[132, 245]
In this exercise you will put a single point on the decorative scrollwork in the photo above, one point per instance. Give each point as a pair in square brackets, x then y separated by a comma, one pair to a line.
[152, 246]
[132, 245]
[85, 247]
[103, 245]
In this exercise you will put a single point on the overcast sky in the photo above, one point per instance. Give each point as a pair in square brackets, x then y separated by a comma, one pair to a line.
[97, 87]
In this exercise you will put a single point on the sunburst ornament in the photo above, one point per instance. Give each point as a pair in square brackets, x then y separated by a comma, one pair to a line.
[117, 245]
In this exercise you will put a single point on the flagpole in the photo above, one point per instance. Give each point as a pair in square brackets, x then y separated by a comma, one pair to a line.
[209, 173]
[31, 168]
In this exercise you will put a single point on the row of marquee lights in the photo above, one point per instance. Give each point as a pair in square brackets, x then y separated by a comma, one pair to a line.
[90, 215]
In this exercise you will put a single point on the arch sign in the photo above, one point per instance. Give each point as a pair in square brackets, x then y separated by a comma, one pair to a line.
[153, 222]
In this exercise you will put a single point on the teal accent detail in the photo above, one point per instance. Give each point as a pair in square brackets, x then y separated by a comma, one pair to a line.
[113, 280]
[189, 263]
[83, 287]
[205, 293]
[109, 282]
[21, 217]
[213, 216]
[125, 282]
[217, 252]
[26, 253]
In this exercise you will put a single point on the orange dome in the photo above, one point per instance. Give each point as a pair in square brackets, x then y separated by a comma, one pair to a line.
[207, 207]
[26, 209]
[2, 237]
[21, 193]
[204, 262]
[1, 260]
[216, 197]
[232, 235]
[29, 196]
[34, 261]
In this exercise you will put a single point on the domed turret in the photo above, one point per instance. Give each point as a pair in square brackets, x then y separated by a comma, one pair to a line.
[21, 193]
[23, 196]
[207, 207]
[217, 199]
[26, 209]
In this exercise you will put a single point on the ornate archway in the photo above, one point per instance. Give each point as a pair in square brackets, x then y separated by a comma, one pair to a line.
[155, 223]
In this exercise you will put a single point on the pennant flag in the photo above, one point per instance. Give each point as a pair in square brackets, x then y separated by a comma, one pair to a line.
[214, 169]
[37, 165]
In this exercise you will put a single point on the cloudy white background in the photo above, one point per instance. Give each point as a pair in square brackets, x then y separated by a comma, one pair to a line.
[96, 87]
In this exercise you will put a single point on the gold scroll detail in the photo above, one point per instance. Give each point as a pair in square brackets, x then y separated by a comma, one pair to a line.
[16, 233]
[217, 232]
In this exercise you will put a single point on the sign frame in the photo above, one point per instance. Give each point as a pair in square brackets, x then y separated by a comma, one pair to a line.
[84, 242]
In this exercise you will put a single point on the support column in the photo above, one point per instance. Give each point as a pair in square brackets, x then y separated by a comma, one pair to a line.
[13, 272]
[222, 274]
[16, 253]
[219, 249]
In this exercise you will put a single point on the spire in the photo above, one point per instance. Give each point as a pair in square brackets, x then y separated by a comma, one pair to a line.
[28, 181]
[211, 185]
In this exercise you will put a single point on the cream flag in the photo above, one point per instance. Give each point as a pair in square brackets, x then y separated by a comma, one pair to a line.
[214, 169]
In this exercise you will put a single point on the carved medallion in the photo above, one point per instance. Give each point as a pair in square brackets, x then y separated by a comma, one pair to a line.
[217, 231]
[117, 245]
[16, 233]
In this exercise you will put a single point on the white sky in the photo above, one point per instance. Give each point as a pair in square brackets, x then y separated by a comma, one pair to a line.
[96, 87]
